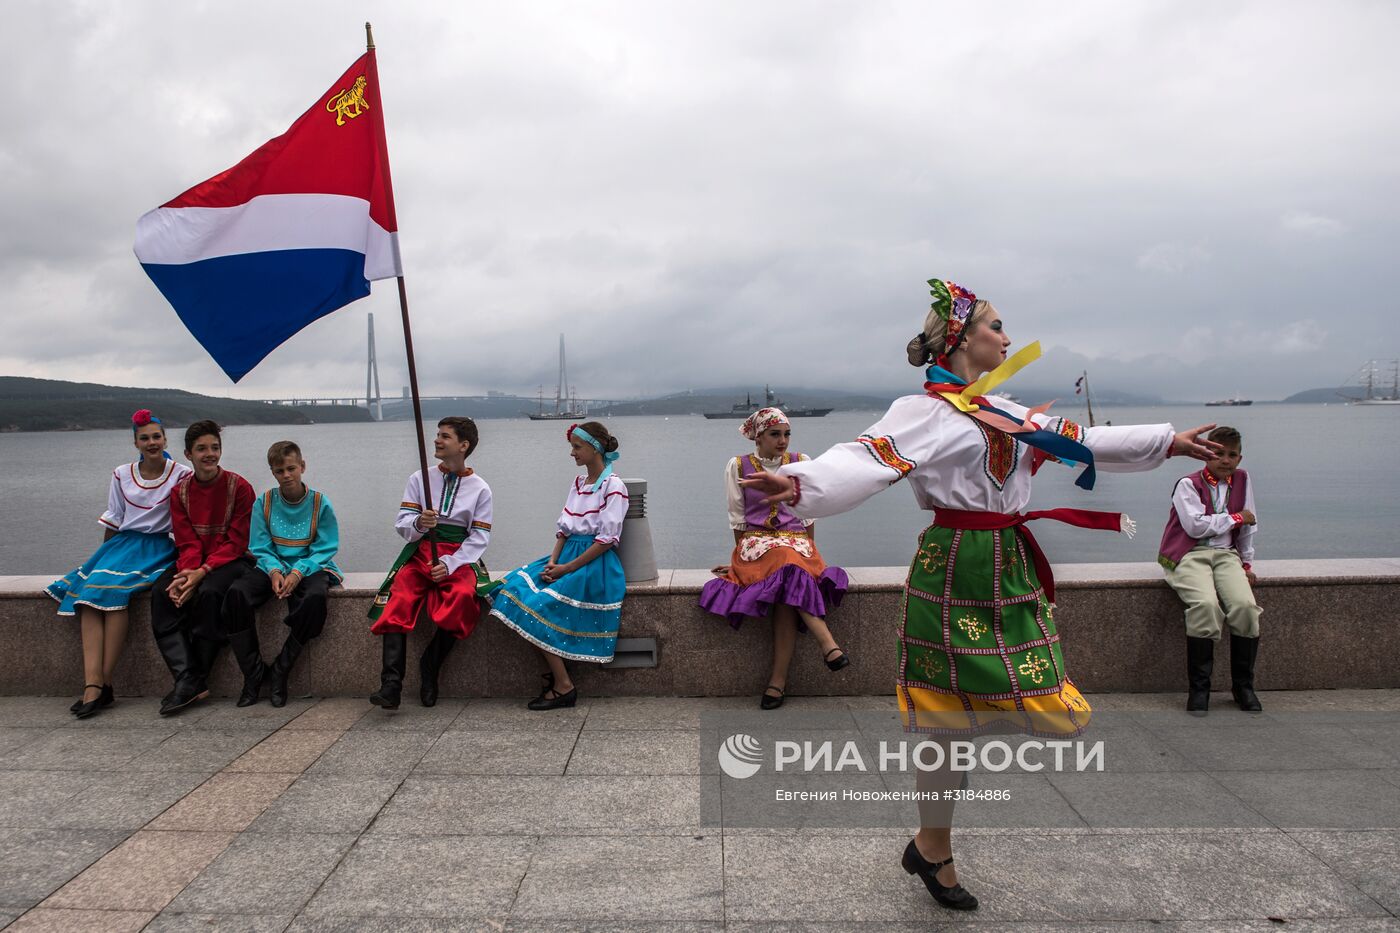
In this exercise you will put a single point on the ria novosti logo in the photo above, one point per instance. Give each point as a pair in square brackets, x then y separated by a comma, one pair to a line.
[741, 756]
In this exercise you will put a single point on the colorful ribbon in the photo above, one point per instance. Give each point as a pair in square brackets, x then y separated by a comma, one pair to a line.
[609, 456]
[971, 401]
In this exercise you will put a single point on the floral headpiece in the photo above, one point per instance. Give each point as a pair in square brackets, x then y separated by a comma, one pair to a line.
[142, 418]
[953, 304]
[761, 420]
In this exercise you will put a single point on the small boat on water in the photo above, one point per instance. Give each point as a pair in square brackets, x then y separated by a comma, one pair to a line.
[748, 406]
[1229, 402]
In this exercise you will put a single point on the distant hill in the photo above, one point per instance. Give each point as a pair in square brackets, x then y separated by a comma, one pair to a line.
[55, 405]
[1319, 396]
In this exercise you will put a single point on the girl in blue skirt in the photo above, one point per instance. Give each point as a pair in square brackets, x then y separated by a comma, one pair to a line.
[135, 551]
[568, 604]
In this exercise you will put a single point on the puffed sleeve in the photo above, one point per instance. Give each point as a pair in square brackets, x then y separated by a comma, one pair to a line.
[116, 505]
[610, 520]
[848, 474]
[478, 534]
[410, 507]
[734, 495]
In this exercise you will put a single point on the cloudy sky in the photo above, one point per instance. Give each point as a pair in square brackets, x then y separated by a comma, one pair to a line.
[1191, 200]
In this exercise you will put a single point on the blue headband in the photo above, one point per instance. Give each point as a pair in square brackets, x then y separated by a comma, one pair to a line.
[609, 456]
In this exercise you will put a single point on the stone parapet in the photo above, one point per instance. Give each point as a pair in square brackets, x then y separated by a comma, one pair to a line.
[1326, 624]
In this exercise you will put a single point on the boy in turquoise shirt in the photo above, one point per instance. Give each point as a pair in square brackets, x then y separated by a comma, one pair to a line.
[293, 538]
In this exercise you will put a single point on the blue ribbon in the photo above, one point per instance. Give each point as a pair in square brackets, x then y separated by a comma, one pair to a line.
[609, 456]
[1066, 450]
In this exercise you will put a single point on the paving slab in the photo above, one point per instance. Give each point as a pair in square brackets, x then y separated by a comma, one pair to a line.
[287, 750]
[659, 713]
[264, 873]
[336, 924]
[467, 805]
[227, 802]
[169, 921]
[144, 873]
[86, 750]
[648, 878]
[1355, 799]
[326, 803]
[195, 749]
[412, 717]
[539, 752]
[13, 739]
[36, 862]
[262, 717]
[392, 876]
[1370, 860]
[29, 799]
[380, 754]
[36, 712]
[46, 920]
[511, 715]
[675, 751]
[1188, 800]
[123, 800]
[139, 713]
[334, 713]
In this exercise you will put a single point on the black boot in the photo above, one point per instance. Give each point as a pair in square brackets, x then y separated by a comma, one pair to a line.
[1200, 661]
[391, 679]
[250, 662]
[189, 684]
[282, 669]
[430, 665]
[1243, 652]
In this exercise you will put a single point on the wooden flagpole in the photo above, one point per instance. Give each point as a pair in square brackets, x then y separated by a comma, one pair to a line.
[403, 311]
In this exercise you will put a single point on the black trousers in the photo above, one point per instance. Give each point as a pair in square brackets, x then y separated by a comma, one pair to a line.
[200, 616]
[306, 607]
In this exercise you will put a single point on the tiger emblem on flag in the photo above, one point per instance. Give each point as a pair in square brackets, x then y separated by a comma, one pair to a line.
[349, 103]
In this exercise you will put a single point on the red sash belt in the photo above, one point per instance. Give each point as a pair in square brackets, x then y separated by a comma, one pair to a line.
[996, 521]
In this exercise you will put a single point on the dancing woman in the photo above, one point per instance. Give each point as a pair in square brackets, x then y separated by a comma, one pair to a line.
[978, 649]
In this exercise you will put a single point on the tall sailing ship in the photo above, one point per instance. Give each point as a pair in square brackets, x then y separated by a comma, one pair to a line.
[1373, 380]
[566, 403]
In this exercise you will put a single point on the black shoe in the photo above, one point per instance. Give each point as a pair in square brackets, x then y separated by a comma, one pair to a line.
[108, 697]
[85, 708]
[954, 898]
[282, 669]
[190, 691]
[771, 702]
[838, 662]
[250, 662]
[1200, 661]
[430, 665]
[391, 678]
[551, 698]
[1243, 652]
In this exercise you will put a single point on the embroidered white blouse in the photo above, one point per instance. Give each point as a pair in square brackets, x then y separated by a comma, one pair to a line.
[138, 504]
[461, 499]
[952, 461]
[735, 493]
[598, 513]
[1216, 528]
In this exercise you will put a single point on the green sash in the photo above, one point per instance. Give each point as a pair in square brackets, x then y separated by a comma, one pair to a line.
[452, 534]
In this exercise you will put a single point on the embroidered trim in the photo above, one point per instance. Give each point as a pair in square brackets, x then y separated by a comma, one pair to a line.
[886, 453]
[484, 526]
[1000, 455]
[577, 604]
[292, 542]
[1071, 430]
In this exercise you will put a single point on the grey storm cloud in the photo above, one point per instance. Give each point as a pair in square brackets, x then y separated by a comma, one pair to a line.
[1189, 200]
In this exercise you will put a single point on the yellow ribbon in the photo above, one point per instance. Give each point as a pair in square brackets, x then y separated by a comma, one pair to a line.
[1018, 361]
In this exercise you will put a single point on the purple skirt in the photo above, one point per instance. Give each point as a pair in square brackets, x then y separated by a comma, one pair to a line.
[789, 585]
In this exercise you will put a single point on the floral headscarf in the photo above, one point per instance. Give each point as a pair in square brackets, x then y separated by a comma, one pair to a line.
[761, 420]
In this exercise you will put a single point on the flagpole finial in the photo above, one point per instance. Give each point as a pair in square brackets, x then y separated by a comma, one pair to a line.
[369, 37]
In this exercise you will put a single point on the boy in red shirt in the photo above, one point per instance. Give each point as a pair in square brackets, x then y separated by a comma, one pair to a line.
[209, 515]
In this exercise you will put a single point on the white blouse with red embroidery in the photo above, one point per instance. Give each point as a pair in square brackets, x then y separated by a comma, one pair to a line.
[135, 503]
[598, 513]
[954, 462]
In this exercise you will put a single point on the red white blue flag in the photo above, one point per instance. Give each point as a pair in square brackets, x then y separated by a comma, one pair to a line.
[296, 230]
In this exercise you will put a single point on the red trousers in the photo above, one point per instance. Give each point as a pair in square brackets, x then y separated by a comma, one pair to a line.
[451, 604]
